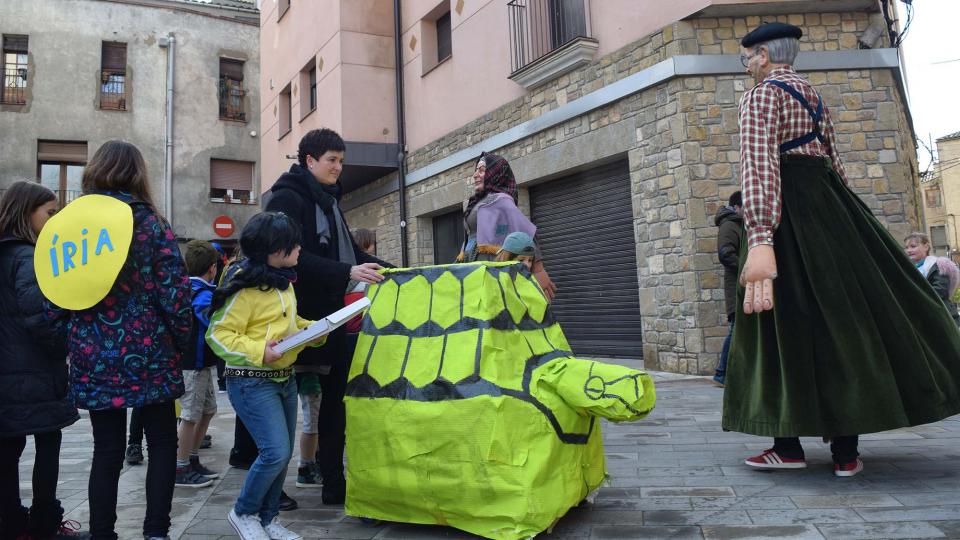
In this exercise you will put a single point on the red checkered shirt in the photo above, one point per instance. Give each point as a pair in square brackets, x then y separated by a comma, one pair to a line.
[769, 117]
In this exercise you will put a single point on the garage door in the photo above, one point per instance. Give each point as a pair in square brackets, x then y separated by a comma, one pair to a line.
[585, 229]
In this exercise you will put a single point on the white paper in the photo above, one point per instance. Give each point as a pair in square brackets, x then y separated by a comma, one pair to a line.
[322, 327]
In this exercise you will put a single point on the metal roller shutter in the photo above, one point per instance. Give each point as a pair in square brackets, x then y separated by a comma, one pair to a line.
[585, 230]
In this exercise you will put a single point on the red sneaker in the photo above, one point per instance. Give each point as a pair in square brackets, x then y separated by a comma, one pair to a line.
[772, 460]
[848, 469]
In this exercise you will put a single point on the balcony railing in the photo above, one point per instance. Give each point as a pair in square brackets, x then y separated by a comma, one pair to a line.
[113, 90]
[539, 27]
[231, 99]
[14, 85]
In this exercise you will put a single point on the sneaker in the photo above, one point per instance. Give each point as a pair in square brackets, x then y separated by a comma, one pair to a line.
[248, 526]
[848, 469]
[276, 531]
[237, 462]
[308, 476]
[287, 503]
[207, 442]
[202, 470]
[70, 530]
[772, 460]
[134, 454]
[187, 477]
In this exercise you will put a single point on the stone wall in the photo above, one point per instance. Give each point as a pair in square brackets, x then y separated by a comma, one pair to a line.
[684, 164]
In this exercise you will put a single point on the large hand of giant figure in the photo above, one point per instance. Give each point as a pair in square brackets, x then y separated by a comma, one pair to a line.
[757, 278]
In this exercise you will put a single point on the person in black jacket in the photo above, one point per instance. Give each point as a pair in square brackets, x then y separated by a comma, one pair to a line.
[729, 219]
[941, 273]
[33, 372]
[329, 261]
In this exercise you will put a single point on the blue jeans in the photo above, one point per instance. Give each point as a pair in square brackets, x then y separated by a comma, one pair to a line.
[269, 411]
[722, 366]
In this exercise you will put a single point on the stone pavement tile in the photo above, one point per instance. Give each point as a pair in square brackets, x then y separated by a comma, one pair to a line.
[950, 528]
[189, 536]
[654, 503]
[696, 517]
[210, 526]
[687, 492]
[621, 517]
[780, 489]
[761, 532]
[732, 481]
[742, 503]
[869, 531]
[348, 530]
[795, 517]
[633, 481]
[628, 532]
[927, 499]
[648, 472]
[402, 531]
[845, 501]
[925, 513]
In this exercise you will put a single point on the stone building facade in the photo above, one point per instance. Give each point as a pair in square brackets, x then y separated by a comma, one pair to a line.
[71, 98]
[941, 198]
[667, 105]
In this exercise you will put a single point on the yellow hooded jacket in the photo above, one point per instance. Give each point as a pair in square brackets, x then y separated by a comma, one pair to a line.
[240, 330]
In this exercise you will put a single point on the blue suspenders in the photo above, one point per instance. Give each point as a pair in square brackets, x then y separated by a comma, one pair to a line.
[815, 115]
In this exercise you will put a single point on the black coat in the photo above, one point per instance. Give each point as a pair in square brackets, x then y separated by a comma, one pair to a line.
[321, 277]
[941, 284]
[729, 240]
[33, 356]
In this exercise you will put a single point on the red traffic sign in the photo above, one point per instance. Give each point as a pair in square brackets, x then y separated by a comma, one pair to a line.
[223, 226]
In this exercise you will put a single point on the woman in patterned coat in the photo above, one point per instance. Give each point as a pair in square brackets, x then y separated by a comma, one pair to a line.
[125, 351]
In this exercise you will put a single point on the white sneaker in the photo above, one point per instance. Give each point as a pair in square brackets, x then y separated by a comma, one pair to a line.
[248, 526]
[279, 532]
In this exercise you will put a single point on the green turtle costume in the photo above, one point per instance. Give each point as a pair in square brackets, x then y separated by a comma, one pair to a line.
[465, 406]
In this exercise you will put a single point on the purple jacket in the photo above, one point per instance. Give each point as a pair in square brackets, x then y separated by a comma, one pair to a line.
[497, 217]
[125, 351]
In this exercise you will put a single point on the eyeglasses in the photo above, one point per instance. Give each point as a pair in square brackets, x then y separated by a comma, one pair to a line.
[745, 59]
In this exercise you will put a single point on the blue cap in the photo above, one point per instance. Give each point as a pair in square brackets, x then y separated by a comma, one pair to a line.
[519, 243]
[770, 31]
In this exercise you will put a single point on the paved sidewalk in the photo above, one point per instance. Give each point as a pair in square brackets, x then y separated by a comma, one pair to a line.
[675, 474]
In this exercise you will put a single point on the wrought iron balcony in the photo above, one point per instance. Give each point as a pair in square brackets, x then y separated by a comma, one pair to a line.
[541, 27]
[14, 85]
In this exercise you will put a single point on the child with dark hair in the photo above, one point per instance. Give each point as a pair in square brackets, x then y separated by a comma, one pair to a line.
[33, 377]
[253, 309]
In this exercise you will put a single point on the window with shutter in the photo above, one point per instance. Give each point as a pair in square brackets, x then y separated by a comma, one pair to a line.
[286, 112]
[60, 167]
[14, 90]
[231, 90]
[113, 76]
[231, 181]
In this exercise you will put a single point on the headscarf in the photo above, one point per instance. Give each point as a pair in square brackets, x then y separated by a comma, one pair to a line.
[498, 178]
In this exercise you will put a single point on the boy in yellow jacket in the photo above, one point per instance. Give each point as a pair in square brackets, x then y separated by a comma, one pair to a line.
[252, 311]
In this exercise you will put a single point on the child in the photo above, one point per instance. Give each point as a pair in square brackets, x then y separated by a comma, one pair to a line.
[252, 310]
[33, 381]
[517, 246]
[125, 351]
[199, 401]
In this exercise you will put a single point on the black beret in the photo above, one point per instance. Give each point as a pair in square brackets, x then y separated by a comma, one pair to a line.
[770, 31]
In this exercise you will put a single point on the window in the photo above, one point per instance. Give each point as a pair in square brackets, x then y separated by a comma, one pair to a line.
[231, 181]
[60, 167]
[444, 41]
[308, 80]
[447, 237]
[286, 112]
[938, 237]
[282, 7]
[14, 70]
[933, 197]
[113, 76]
[231, 90]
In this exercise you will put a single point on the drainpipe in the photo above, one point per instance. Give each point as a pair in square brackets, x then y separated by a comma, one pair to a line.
[401, 133]
[169, 43]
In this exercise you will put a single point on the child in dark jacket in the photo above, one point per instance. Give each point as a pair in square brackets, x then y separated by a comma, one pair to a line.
[198, 404]
[33, 373]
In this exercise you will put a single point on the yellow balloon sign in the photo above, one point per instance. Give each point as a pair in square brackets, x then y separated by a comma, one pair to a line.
[81, 250]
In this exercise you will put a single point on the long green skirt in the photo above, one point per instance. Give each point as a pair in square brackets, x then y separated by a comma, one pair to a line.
[857, 342]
